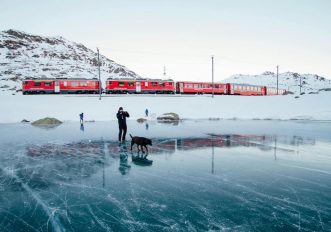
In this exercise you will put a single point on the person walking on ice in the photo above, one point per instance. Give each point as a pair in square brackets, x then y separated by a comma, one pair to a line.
[121, 116]
[81, 118]
[146, 112]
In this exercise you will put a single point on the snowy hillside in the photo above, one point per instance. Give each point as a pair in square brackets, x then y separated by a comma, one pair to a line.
[288, 80]
[26, 56]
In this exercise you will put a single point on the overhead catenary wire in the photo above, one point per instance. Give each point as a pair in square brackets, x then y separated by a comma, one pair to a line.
[192, 55]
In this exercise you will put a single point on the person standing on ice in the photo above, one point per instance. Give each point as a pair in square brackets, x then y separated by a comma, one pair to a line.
[81, 117]
[121, 116]
[146, 112]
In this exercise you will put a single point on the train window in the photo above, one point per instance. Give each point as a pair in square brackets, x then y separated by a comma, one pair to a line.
[110, 83]
[162, 84]
[83, 83]
[195, 86]
[131, 83]
[37, 83]
[201, 86]
[48, 83]
[65, 83]
[74, 83]
[121, 83]
[154, 83]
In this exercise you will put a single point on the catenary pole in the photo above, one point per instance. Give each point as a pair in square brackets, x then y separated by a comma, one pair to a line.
[212, 74]
[99, 74]
[277, 78]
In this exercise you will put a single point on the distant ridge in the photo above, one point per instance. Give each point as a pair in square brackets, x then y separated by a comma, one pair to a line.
[311, 83]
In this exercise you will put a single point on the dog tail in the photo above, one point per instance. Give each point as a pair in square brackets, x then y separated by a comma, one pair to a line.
[130, 136]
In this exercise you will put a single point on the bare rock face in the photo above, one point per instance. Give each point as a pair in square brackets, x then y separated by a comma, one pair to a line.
[46, 122]
[141, 120]
[168, 117]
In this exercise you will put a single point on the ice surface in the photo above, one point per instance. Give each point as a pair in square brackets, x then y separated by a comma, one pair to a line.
[205, 175]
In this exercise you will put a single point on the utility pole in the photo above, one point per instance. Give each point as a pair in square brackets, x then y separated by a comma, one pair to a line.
[277, 78]
[300, 84]
[164, 72]
[99, 75]
[212, 75]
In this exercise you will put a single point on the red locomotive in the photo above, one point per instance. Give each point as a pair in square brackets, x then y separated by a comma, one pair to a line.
[140, 86]
[76, 86]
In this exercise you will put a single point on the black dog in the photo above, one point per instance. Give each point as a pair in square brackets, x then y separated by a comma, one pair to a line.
[140, 141]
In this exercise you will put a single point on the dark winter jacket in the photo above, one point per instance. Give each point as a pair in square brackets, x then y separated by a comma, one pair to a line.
[121, 116]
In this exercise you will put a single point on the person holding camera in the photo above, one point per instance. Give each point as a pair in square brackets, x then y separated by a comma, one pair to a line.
[121, 116]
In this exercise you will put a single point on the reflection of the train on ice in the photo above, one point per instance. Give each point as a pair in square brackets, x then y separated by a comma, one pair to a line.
[86, 158]
[166, 145]
[263, 142]
[52, 163]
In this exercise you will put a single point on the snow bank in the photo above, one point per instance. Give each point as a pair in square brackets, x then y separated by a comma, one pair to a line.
[14, 108]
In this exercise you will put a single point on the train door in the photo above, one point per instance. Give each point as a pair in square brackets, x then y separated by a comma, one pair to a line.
[138, 87]
[227, 89]
[57, 87]
[264, 90]
[181, 87]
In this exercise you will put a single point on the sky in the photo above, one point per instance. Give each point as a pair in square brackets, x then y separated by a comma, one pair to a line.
[244, 36]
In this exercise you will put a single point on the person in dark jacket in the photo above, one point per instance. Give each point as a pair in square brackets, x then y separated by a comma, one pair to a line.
[81, 117]
[121, 116]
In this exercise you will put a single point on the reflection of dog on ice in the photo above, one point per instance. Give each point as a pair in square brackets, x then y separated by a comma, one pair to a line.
[141, 142]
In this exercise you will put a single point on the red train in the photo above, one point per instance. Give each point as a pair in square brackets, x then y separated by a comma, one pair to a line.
[142, 86]
[77, 86]
[187, 87]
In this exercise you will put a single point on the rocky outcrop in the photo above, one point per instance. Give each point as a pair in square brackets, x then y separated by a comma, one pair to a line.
[46, 122]
[141, 120]
[168, 117]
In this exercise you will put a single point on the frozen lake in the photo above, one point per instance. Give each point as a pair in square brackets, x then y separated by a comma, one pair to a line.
[206, 175]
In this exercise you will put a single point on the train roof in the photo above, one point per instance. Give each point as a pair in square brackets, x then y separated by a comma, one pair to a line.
[137, 79]
[51, 79]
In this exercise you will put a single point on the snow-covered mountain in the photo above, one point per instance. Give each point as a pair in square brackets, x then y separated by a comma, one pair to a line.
[30, 56]
[289, 80]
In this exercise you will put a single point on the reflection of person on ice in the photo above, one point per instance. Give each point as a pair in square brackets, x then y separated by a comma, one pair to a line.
[121, 116]
[81, 117]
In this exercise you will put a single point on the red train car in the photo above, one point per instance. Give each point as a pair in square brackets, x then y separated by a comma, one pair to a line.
[188, 87]
[139, 86]
[49, 86]
[247, 90]
[273, 91]
[38, 86]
